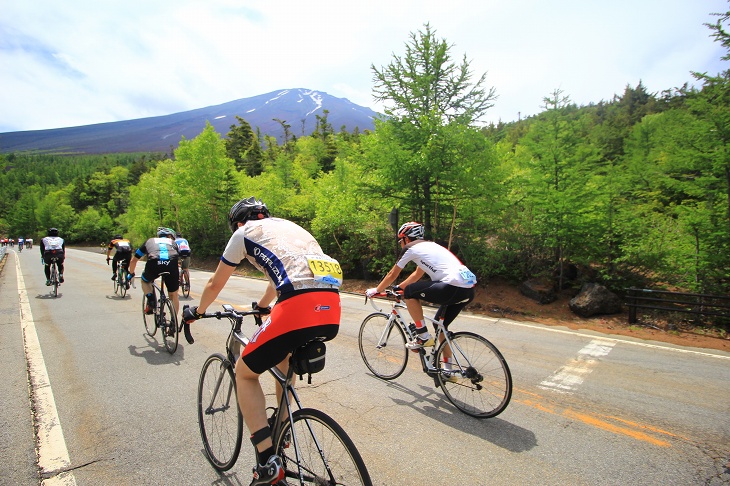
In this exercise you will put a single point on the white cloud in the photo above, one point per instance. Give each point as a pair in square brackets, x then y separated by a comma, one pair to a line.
[86, 62]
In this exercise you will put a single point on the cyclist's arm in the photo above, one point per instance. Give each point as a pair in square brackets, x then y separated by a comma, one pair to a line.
[389, 278]
[413, 278]
[133, 263]
[268, 297]
[215, 284]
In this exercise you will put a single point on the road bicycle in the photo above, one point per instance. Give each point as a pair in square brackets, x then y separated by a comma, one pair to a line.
[185, 282]
[54, 277]
[163, 316]
[313, 447]
[121, 284]
[469, 369]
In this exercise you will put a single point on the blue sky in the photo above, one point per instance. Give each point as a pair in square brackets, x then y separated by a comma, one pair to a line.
[82, 62]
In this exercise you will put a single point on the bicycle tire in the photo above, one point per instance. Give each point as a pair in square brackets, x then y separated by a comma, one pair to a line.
[168, 324]
[389, 359]
[185, 284]
[54, 280]
[219, 420]
[484, 388]
[121, 283]
[150, 320]
[116, 283]
[337, 462]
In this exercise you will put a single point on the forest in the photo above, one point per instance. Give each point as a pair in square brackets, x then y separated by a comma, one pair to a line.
[633, 191]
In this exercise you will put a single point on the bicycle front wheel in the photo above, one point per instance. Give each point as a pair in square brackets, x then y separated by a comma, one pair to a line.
[326, 453]
[383, 346]
[221, 424]
[168, 323]
[479, 382]
[150, 320]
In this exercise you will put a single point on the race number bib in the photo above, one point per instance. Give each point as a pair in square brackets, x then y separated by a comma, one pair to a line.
[325, 269]
[468, 276]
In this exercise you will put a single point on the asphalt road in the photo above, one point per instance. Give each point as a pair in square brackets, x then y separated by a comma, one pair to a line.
[587, 408]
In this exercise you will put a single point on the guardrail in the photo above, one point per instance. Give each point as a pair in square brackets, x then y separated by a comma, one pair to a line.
[716, 307]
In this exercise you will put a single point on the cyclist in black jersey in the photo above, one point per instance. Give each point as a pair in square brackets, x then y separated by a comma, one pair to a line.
[162, 255]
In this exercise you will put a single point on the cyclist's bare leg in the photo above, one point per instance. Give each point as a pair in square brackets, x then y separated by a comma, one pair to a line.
[146, 287]
[415, 309]
[252, 402]
[175, 298]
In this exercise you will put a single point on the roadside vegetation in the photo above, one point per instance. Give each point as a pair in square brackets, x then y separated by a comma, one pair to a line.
[631, 191]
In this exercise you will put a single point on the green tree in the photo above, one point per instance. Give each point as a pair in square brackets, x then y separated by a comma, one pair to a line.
[428, 99]
[244, 147]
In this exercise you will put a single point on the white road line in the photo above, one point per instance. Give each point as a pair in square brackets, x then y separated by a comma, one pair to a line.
[570, 376]
[53, 459]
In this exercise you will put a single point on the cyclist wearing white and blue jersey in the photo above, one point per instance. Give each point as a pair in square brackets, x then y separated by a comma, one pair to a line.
[162, 255]
[451, 283]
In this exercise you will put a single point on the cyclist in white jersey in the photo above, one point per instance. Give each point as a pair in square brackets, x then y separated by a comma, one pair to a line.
[451, 283]
[53, 246]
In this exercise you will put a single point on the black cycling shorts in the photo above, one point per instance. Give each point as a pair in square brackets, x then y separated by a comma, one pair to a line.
[154, 269]
[451, 299]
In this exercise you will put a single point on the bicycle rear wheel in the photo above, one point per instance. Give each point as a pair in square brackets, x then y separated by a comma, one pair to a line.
[54, 280]
[383, 346]
[185, 284]
[168, 323]
[221, 424]
[150, 320]
[327, 455]
[116, 283]
[121, 282]
[480, 384]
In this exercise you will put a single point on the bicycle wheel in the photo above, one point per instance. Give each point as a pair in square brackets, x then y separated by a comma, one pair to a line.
[327, 455]
[54, 280]
[185, 284]
[116, 283]
[150, 320]
[121, 283]
[480, 384]
[220, 422]
[383, 346]
[168, 323]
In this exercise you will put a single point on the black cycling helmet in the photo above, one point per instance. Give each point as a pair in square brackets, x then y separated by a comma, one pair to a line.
[117, 237]
[52, 232]
[246, 209]
[163, 232]
[411, 230]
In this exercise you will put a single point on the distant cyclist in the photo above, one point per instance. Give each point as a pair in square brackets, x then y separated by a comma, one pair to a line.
[185, 251]
[53, 246]
[122, 253]
[451, 284]
[162, 255]
[21, 242]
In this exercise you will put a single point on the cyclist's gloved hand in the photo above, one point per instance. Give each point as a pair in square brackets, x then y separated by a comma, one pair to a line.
[107, 260]
[371, 292]
[130, 276]
[190, 314]
[262, 310]
[397, 288]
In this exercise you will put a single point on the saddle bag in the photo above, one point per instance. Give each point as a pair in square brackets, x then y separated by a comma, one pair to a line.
[309, 359]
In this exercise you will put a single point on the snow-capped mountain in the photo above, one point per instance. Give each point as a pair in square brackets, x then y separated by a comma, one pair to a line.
[298, 108]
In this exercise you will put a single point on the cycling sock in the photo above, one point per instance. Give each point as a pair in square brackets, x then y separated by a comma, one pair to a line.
[422, 330]
[258, 437]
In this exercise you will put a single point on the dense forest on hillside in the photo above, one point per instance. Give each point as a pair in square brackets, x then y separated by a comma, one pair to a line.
[634, 191]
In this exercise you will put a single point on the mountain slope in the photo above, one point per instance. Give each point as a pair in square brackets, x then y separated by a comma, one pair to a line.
[298, 108]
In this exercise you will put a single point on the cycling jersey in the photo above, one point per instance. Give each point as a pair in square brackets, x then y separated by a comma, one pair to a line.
[52, 243]
[437, 262]
[121, 245]
[183, 246]
[162, 249]
[286, 253]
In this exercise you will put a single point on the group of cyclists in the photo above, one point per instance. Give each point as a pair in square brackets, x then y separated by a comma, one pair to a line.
[301, 299]
[22, 242]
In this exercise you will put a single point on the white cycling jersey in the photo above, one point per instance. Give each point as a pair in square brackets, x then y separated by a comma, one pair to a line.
[52, 243]
[439, 263]
[285, 252]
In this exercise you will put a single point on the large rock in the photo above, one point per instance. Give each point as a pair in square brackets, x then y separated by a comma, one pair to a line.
[538, 290]
[594, 299]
